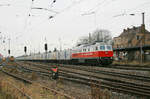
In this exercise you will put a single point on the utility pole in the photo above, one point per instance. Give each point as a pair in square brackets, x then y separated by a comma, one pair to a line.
[143, 40]
[142, 43]
[98, 36]
[90, 38]
[143, 23]
[143, 30]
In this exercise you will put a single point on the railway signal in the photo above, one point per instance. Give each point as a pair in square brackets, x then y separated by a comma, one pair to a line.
[9, 51]
[46, 48]
[25, 49]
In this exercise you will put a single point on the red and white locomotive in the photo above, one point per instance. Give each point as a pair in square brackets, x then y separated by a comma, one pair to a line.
[96, 53]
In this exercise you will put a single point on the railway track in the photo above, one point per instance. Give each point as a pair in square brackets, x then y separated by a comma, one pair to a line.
[94, 70]
[31, 82]
[116, 66]
[130, 67]
[24, 80]
[123, 75]
[115, 85]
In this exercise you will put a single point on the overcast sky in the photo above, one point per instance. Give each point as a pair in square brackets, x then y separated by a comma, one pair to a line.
[72, 19]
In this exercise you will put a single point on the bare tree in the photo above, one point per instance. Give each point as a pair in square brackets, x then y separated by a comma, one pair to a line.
[102, 35]
[99, 35]
[83, 40]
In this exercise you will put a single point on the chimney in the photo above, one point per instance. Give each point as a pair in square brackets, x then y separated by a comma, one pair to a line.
[124, 30]
[143, 28]
[90, 38]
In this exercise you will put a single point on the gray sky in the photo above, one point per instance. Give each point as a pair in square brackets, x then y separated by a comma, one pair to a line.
[74, 19]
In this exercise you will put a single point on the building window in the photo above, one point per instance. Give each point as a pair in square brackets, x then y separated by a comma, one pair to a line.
[137, 37]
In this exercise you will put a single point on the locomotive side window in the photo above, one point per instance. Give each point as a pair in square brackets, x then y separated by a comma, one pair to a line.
[96, 48]
[109, 48]
[84, 50]
[102, 47]
[80, 50]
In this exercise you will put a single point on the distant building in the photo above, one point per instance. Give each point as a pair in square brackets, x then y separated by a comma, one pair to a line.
[1, 56]
[135, 37]
[132, 37]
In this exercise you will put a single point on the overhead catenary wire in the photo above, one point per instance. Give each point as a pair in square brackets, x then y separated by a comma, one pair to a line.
[128, 11]
[1, 5]
[92, 9]
[59, 12]
[96, 7]
[28, 15]
[51, 5]
[39, 8]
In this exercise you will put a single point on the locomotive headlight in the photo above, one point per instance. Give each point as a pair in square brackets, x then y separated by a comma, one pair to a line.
[106, 52]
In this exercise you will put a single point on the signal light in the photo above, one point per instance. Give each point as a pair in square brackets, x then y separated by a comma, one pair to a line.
[9, 51]
[25, 49]
[46, 47]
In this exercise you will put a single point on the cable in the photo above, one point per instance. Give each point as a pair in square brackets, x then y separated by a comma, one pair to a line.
[38, 8]
[97, 6]
[65, 9]
[28, 15]
[51, 5]
[100, 3]
[127, 12]
[4, 5]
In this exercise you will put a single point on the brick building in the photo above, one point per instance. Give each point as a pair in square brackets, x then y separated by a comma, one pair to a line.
[131, 38]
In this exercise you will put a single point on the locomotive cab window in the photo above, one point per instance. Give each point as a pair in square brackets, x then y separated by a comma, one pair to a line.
[109, 48]
[102, 47]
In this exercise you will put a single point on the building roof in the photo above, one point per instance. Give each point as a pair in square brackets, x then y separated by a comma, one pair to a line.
[132, 31]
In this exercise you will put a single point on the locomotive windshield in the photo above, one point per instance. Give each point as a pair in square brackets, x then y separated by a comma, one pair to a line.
[102, 47]
[109, 48]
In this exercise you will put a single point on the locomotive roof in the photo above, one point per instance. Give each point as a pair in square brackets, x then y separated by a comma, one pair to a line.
[90, 44]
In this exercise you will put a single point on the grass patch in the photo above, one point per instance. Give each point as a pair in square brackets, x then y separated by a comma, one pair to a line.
[34, 90]
[98, 93]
